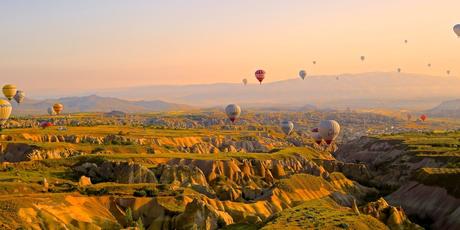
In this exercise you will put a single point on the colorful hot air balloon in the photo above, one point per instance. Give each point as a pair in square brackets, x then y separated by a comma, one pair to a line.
[260, 75]
[51, 111]
[245, 81]
[287, 127]
[329, 130]
[9, 91]
[317, 138]
[58, 108]
[233, 111]
[302, 74]
[46, 124]
[457, 30]
[363, 58]
[19, 97]
[423, 117]
[5, 111]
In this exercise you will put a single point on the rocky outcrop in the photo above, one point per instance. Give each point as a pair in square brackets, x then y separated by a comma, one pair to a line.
[120, 172]
[358, 172]
[16, 152]
[393, 217]
[199, 215]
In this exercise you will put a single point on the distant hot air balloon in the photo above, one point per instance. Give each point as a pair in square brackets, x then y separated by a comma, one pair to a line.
[9, 91]
[51, 111]
[337, 78]
[46, 124]
[448, 72]
[302, 74]
[363, 58]
[457, 30]
[399, 70]
[423, 117]
[260, 75]
[317, 138]
[329, 130]
[287, 127]
[429, 64]
[19, 97]
[233, 111]
[409, 117]
[405, 41]
[58, 107]
[314, 62]
[245, 81]
[5, 111]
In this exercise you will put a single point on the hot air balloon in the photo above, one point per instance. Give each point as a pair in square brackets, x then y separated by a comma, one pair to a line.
[51, 111]
[399, 70]
[448, 72]
[233, 111]
[260, 75]
[429, 64]
[314, 62]
[337, 78]
[302, 74]
[58, 108]
[245, 81]
[409, 117]
[46, 124]
[19, 97]
[423, 117]
[287, 127]
[9, 91]
[363, 58]
[317, 138]
[405, 41]
[329, 130]
[457, 30]
[5, 111]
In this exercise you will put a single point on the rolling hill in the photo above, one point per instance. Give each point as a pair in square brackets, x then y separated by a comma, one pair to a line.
[95, 103]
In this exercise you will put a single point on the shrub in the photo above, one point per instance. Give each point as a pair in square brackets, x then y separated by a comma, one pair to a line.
[140, 193]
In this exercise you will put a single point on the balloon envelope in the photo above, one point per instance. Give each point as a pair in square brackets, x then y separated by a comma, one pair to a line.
[363, 58]
[457, 30]
[302, 74]
[19, 97]
[245, 81]
[233, 111]
[5, 111]
[287, 127]
[58, 108]
[260, 75]
[423, 117]
[329, 130]
[9, 91]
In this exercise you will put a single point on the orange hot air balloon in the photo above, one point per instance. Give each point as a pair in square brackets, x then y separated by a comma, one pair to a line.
[260, 75]
[423, 117]
[58, 108]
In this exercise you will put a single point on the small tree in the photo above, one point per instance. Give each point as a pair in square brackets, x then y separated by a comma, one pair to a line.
[129, 217]
[140, 224]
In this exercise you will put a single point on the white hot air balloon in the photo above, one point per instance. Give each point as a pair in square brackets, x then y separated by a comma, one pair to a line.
[5, 111]
[233, 111]
[245, 81]
[287, 127]
[329, 130]
[19, 97]
[51, 111]
[457, 30]
[302, 74]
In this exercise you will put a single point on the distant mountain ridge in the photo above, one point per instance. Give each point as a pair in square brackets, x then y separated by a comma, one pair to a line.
[94, 103]
[446, 109]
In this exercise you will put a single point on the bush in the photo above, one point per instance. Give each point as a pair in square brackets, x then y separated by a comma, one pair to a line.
[98, 149]
[140, 193]
[151, 192]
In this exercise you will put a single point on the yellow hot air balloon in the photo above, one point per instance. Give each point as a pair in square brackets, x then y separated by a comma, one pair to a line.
[5, 111]
[58, 108]
[9, 91]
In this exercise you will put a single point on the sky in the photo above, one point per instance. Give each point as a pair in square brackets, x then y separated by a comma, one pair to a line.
[75, 45]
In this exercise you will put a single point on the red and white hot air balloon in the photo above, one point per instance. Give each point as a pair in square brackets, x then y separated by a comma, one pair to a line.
[233, 111]
[260, 75]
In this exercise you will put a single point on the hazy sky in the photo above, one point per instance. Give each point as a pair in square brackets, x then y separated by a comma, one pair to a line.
[109, 43]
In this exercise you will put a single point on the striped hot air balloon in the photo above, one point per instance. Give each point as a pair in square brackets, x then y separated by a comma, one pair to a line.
[9, 91]
[19, 97]
[5, 111]
[58, 107]
[260, 75]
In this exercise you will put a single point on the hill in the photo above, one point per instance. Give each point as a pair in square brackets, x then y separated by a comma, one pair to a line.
[95, 103]
[446, 109]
